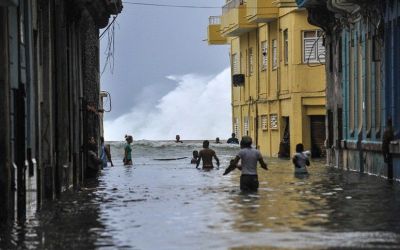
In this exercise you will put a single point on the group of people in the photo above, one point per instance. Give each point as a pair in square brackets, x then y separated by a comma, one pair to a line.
[247, 156]
[246, 161]
[95, 163]
[232, 140]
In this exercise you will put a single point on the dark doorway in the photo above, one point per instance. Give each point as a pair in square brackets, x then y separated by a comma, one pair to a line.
[284, 146]
[317, 125]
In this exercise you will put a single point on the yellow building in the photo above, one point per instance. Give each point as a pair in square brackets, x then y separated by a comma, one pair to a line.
[278, 76]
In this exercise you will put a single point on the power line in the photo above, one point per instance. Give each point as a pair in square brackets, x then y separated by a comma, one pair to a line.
[187, 6]
[172, 5]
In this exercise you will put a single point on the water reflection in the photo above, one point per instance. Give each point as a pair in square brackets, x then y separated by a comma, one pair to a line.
[72, 222]
[173, 205]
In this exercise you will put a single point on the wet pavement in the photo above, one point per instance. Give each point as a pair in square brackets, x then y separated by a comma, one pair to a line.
[171, 205]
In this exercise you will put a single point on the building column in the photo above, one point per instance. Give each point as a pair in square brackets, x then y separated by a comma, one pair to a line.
[5, 156]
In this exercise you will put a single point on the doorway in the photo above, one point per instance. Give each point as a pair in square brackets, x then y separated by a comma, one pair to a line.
[317, 126]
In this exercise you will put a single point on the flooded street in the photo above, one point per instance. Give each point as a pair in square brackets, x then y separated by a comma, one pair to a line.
[171, 205]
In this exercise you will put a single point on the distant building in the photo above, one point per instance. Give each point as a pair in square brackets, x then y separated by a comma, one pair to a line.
[49, 96]
[278, 79]
[363, 72]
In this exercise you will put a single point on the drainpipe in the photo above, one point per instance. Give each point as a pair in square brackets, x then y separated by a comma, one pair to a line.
[257, 85]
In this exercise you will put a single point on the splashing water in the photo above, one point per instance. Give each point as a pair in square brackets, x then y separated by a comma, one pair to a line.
[198, 108]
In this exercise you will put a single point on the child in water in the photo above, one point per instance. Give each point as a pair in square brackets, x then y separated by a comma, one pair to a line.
[195, 157]
[300, 160]
[128, 150]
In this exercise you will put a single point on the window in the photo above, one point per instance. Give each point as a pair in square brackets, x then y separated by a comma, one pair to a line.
[286, 46]
[264, 122]
[313, 47]
[235, 64]
[246, 126]
[264, 56]
[273, 121]
[251, 61]
[274, 54]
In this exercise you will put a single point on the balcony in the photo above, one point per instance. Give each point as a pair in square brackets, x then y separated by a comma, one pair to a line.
[214, 31]
[233, 20]
[261, 11]
[285, 3]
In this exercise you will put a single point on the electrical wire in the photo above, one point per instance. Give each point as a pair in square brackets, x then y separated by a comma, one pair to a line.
[187, 6]
[112, 22]
[171, 5]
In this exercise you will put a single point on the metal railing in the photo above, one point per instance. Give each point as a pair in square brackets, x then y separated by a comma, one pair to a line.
[231, 5]
[214, 20]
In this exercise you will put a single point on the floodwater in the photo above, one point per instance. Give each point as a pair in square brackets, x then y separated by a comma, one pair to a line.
[171, 205]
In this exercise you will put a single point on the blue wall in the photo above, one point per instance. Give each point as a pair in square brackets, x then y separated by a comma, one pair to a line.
[392, 63]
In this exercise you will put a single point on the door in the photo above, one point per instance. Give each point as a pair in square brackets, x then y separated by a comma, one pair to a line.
[317, 135]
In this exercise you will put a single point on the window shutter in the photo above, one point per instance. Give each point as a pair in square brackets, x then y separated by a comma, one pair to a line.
[310, 50]
[321, 50]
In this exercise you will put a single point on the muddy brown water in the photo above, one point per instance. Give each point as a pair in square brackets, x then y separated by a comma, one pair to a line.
[171, 205]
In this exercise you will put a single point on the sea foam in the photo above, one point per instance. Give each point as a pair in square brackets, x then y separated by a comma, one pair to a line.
[198, 108]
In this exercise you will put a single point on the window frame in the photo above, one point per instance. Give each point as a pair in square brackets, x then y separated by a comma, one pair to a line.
[251, 61]
[286, 46]
[235, 64]
[264, 55]
[274, 56]
[318, 48]
[273, 122]
[264, 122]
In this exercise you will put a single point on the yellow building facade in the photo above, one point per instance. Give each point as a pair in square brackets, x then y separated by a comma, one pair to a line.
[278, 74]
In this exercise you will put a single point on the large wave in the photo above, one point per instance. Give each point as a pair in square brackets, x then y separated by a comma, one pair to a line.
[198, 108]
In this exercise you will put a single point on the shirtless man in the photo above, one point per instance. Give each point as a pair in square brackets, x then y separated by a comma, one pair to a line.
[206, 155]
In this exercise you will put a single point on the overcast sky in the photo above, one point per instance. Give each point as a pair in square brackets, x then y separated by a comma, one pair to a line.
[152, 43]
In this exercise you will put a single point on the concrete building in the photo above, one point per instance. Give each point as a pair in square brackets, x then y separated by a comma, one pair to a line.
[362, 68]
[49, 96]
[278, 78]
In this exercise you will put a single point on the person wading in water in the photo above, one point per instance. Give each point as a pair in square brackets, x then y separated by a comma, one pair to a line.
[249, 158]
[233, 139]
[206, 155]
[105, 154]
[128, 150]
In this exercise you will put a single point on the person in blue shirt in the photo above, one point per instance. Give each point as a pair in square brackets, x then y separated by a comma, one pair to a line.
[105, 154]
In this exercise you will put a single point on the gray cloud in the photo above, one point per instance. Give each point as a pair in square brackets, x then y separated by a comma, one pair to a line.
[154, 42]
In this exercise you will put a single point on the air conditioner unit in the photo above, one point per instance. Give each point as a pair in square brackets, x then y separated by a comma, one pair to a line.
[238, 80]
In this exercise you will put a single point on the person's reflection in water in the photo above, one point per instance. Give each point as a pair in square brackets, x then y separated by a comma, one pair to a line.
[251, 215]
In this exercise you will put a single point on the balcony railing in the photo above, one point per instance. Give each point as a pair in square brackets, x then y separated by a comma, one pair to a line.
[214, 20]
[214, 31]
[232, 4]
